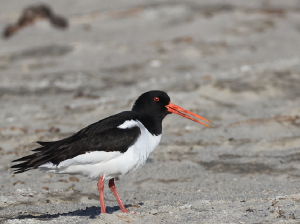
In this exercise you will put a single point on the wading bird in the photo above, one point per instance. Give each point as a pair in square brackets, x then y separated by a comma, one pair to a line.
[114, 146]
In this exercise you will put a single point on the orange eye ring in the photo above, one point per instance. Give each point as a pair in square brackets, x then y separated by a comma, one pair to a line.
[156, 98]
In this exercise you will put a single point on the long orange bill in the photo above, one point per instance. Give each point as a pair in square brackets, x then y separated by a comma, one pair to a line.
[182, 112]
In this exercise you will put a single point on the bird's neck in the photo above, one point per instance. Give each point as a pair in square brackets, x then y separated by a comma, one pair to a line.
[153, 124]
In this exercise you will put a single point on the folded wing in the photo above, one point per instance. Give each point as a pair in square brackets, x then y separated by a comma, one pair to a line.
[103, 136]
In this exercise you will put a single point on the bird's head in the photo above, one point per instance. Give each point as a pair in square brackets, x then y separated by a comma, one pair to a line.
[157, 104]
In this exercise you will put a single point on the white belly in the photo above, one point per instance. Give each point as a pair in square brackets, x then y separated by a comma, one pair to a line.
[110, 164]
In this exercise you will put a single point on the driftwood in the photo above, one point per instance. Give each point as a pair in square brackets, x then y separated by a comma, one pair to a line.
[33, 13]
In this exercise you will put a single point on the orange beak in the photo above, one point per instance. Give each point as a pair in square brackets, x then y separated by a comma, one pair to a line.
[182, 112]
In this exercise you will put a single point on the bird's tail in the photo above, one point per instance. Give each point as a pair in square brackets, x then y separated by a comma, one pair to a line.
[43, 155]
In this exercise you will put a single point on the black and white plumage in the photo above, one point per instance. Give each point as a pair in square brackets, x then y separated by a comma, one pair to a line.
[110, 147]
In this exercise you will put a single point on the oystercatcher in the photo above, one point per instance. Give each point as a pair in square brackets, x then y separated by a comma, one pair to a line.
[114, 146]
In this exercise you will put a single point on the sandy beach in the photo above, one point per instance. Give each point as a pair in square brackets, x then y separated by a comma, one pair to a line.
[236, 63]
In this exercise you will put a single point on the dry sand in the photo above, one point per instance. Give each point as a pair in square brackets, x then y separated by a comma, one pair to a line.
[235, 63]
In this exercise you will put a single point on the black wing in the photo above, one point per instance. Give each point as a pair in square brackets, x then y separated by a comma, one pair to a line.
[100, 136]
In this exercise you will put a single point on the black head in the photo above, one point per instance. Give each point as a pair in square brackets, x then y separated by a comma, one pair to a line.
[152, 103]
[153, 106]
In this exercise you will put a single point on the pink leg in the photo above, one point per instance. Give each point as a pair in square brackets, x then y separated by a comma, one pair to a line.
[112, 187]
[101, 195]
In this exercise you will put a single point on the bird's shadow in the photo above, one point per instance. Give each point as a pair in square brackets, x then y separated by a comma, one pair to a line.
[92, 212]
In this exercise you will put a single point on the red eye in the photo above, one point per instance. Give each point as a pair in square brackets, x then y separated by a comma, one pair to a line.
[156, 99]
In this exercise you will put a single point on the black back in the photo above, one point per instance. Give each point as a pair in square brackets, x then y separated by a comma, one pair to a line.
[103, 135]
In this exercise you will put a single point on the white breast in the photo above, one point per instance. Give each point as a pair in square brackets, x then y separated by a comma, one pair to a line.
[145, 144]
[110, 164]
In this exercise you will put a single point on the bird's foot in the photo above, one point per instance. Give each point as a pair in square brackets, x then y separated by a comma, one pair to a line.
[124, 210]
[103, 211]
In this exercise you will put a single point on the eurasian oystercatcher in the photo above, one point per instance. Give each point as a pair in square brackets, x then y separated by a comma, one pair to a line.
[111, 147]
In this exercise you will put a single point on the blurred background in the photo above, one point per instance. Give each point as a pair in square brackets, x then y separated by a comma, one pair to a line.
[66, 64]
